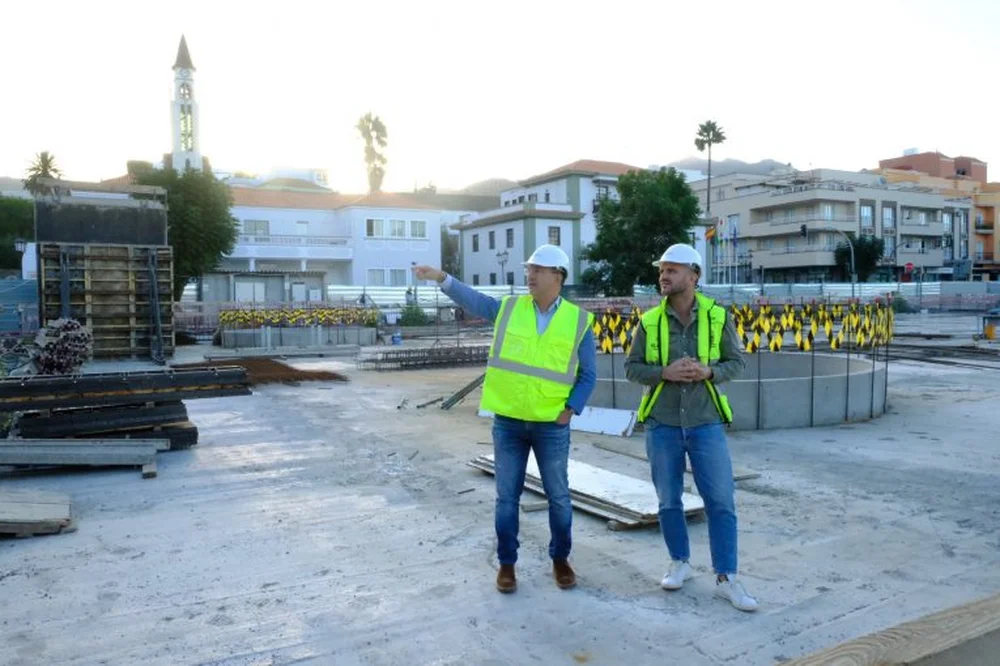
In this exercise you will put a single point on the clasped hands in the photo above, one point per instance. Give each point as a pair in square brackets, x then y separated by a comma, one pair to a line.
[685, 371]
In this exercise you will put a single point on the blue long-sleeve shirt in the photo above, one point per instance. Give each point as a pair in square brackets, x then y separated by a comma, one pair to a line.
[486, 307]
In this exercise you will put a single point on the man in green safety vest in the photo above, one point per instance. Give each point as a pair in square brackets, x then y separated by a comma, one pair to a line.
[541, 370]
[684, 347]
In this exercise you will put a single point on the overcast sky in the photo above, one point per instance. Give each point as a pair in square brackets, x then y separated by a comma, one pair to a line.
[471, 90]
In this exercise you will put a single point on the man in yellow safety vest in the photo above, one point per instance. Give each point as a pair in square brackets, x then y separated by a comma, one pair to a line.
[684, 347]
[541, 370]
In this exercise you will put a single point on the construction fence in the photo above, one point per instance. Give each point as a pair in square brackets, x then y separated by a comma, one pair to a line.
[765, 327]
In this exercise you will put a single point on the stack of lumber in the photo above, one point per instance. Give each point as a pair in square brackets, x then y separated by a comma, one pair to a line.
[626, 502]
[108, 419]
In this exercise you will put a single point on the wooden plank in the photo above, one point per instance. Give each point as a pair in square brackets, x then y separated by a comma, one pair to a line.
[159, 444]
[938, 638]
[24, 512]
[93, 455]
[637, 496]
[739, 473]
[597, 420]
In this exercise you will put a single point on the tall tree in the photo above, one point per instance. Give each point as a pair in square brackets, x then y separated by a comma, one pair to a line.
[44, 166]
[17, 220]
[709, 134]
[372, 131]
[868, 251]
[200, 227]
[654, 210]
[449, 253]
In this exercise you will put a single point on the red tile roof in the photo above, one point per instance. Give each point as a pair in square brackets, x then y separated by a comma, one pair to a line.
[585, 168]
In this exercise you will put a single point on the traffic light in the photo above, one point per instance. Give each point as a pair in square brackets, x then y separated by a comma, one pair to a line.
[804, 231]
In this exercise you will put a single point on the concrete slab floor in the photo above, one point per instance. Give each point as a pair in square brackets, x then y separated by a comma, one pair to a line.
[319, 524]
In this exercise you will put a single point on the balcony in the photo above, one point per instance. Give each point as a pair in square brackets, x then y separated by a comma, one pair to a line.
[796, 257]
[274, 246]
[984, 227]
[984, 257]
[815, 223]
[919, 256]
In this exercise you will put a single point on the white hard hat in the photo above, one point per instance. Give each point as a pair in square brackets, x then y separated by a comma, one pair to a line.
[550, 256]
[681, 253]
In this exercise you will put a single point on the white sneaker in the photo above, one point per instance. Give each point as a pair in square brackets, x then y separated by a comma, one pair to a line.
[737, 595]
[679, 572]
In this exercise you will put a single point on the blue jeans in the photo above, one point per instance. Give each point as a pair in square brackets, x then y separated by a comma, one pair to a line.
[512, 440]
[713, 475]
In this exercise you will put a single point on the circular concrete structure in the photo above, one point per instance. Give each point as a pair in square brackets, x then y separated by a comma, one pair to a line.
[795, 390]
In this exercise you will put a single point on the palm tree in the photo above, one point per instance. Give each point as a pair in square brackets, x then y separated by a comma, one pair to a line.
[709, 133]
[372, 130]
[44, 166]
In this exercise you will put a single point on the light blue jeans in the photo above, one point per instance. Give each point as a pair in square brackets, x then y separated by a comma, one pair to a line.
[512, 441]
[713, 475]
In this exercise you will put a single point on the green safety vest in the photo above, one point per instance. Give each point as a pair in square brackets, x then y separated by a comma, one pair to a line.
[530, 376]
[711, 322]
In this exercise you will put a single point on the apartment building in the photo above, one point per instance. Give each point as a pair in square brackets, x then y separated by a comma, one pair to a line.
[926, 231]
[557, 207]
[986, 239]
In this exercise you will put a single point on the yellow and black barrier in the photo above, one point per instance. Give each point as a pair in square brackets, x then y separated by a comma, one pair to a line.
[764, 327]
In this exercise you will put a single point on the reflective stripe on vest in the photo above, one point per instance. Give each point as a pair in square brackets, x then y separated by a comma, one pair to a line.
[529, 376]
[494, 361]
[711, 323]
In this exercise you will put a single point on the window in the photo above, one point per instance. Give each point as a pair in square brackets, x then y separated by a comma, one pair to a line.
[827, 211]
[603, 192]
[867, 216]
[302, 227]
[493, 278]
[374, 228]
[768, 215]
[946, 219]
[720, 194]
[510, 277]
[547, 196]
[554, 236]
[888, 217]
[376, 277]
[532, 197]
[475, 280]
[256, 227]
[890, 247]
[397, 277]
[475, 242]
[520, 199]
[922, 218]
[493, 240]
[418, 229]
[397, 228]
[510, 238]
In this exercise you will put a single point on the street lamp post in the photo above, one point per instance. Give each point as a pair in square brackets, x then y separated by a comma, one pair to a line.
[850, 245]
[502, 258]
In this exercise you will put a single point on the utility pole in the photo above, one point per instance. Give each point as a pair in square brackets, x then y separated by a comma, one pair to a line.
[850, 244]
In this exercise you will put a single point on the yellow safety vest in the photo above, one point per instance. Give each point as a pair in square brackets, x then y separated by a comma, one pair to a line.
[711, 322]
[530, 376]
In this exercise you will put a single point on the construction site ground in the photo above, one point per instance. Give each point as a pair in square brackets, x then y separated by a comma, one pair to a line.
[334, 523]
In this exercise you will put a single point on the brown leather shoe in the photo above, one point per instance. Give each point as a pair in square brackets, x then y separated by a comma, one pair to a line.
[506, 581]
[563, 573]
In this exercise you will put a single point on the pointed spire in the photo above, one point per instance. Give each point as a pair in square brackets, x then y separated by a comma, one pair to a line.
[183, 56]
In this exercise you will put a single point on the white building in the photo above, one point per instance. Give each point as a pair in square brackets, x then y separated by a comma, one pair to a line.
[558, 207]
[294, 244]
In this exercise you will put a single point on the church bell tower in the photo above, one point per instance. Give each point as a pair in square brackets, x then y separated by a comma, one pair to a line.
[184, 114]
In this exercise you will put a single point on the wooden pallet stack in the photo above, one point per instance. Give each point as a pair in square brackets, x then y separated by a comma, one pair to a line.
[115, 291]
[98, 420]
